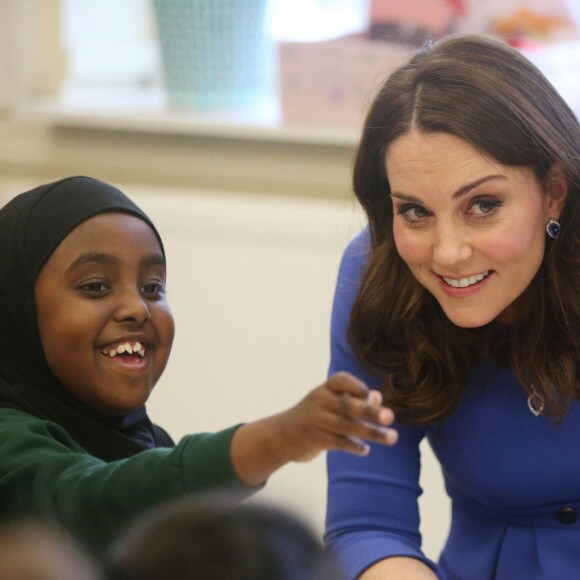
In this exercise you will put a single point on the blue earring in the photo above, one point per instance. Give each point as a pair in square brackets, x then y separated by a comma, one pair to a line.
[553, 228]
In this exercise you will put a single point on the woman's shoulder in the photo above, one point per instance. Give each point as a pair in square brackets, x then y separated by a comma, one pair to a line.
[355, 256]
[350, 273]
[359, 246]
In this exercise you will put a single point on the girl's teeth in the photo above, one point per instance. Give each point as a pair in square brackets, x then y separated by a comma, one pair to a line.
[125, 347]
[136, 348]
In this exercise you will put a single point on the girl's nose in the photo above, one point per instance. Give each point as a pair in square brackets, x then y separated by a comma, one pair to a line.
[132, 307]
[451, 247]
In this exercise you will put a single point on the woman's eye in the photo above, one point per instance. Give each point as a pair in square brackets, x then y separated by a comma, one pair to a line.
[484, 207]
[412, 212]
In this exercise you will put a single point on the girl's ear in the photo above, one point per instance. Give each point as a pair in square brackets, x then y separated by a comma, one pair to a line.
[556, 188]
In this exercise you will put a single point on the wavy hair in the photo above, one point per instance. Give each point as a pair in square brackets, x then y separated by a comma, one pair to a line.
[483, 91]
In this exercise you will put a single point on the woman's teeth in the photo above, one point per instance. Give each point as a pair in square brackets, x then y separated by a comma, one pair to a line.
[464, 282]
[125, 347]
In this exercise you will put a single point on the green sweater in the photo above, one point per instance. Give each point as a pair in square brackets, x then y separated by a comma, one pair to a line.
[43, 471]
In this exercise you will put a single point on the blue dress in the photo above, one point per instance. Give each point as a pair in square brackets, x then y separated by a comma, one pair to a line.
[513, 478]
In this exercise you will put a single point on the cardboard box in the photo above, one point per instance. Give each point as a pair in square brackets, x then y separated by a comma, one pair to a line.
[333, 82]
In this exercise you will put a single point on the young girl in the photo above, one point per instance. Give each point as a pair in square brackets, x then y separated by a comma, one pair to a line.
[461, 303]
[85, 333]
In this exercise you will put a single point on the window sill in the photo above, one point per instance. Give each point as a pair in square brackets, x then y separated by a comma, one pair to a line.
[147, 112]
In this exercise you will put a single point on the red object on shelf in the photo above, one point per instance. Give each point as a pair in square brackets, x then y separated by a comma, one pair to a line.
[435, 16]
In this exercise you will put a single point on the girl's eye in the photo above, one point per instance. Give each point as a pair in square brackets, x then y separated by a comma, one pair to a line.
[483, 208]
[94, 288]
[153, 289]
[412, 212]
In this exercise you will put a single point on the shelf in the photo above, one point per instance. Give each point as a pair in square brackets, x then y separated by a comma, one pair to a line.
[147, 112]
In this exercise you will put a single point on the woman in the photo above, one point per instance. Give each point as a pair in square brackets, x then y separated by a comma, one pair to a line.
[85, 333]
[460, 303]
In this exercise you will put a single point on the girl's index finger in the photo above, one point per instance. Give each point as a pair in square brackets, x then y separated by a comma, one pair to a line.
[343, 383]
[375, 397]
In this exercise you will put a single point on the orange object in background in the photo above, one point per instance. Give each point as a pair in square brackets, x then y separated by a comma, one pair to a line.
[525, 24]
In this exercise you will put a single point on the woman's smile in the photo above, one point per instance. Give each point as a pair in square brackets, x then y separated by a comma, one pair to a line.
[466, 281]
[466, 286]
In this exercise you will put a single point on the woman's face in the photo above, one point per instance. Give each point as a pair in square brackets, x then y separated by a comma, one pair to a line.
[471, 230]
[100, 296]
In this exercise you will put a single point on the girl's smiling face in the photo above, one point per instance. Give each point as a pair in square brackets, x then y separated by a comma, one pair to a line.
[471, 230]
[100, 293]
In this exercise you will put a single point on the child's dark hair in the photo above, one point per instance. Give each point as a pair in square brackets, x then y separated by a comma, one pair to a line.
[215, 538]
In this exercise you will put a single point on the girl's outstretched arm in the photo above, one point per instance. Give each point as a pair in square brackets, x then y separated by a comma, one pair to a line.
[341, 414]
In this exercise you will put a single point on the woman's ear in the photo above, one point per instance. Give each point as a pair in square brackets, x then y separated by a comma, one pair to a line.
[556, 189]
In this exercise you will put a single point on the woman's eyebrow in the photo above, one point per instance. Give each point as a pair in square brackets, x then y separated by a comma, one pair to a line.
[405, 197]
[465, 189]
[96, 257]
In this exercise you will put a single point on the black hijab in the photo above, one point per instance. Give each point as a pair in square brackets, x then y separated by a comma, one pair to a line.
[32, 225]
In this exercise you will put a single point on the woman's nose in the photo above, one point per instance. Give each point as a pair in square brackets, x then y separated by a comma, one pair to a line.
[451, 246]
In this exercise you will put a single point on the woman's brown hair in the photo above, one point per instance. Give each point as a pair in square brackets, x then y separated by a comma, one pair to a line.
[488, 94]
